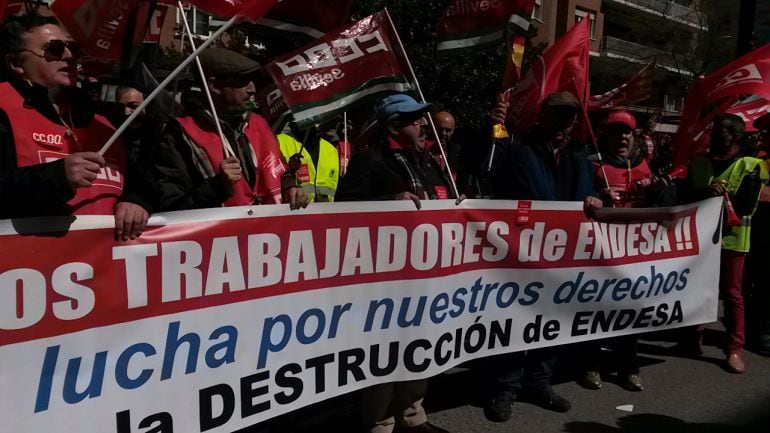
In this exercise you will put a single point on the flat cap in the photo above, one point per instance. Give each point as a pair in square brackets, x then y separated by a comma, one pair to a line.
[561, 99]
[221, 63]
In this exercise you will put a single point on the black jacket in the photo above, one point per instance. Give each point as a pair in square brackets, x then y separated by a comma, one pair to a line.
[378, 174]
[43, 189]
[179, 180]
[525, 169]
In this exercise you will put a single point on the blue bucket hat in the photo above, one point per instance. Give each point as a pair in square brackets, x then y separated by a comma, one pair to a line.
[399, 104]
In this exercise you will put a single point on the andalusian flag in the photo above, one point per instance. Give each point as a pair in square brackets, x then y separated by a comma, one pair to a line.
[347, 67]
[474, 23]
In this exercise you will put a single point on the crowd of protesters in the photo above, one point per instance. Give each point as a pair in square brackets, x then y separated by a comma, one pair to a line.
[51, 134]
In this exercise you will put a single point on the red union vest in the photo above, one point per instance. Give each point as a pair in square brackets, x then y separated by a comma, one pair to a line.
[266, 157]
[624, 180]
[38, 141]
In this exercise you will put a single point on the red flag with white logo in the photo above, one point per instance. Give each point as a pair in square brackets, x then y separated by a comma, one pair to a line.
[715, 94]
[343, 69]
[750, 110]
[563, 67]
[313, 19]
[102, 28]
[250, 10]
[637, 89]
[469, 24]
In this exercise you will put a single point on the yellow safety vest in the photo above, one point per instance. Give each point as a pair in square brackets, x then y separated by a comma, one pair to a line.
[702, 172]
[320, 183]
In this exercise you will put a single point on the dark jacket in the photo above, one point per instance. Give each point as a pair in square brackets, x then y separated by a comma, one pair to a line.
[180, 183]
[379, 174]
[525, 169]
[43, 189]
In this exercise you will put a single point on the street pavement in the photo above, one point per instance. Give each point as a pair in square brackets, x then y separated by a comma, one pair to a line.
[681, 395]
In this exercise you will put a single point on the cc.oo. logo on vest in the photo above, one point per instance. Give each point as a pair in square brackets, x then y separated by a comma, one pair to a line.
[49, 139]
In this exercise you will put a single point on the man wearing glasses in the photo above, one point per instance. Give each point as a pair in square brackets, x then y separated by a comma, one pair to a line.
[49, 134]
[397, 167]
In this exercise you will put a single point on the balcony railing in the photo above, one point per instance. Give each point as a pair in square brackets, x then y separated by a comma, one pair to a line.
[670, 10]
[615, 47]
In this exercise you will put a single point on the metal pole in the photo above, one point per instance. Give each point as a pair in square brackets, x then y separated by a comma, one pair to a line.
[165, 83]
[228, 149]
[176, 81]
[422, 98]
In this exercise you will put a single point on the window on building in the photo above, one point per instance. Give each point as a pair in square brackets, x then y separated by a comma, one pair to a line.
[537, 12]
[673, 103]
[199, 21]
[580, 14]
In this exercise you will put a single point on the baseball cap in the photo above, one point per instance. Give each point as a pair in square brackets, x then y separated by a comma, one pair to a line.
[561, 99]
[221, 63]
[623, 117]
[399, 104]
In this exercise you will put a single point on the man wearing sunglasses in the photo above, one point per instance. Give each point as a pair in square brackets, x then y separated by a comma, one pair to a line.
[191, 168]
[49, 134]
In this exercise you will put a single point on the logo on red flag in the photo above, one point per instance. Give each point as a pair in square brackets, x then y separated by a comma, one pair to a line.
[100, 27]
[715, 94]
[341, 69]
[471, 23]
[563, 67]
[750, 110]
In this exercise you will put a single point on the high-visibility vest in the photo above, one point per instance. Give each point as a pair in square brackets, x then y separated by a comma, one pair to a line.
[320, 183]
[265, 158]
[738, 238]
[38, 141]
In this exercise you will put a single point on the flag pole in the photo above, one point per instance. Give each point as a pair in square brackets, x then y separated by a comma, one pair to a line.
[587, 121]
[422, 97]
[165, 83]
[205, 84]
[176, 81]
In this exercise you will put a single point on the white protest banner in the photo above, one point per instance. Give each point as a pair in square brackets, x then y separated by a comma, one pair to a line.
[218, 319]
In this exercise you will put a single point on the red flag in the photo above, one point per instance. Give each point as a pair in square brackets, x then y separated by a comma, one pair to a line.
[750, 110]
[102, 27]
[251, 10]
[563, 67]
[342, 69]
[715, 94]
[471, 24]
[637, 89]
[313, 19]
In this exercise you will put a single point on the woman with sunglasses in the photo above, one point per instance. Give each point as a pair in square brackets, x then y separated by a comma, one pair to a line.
[49, 134]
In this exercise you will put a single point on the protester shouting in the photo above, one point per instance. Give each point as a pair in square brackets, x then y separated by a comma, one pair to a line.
[395, 168]
[724, 173]
[626, 181]
[190, 167]
[49, 134]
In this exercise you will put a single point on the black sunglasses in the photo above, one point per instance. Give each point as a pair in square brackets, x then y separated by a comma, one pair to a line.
[54, 50]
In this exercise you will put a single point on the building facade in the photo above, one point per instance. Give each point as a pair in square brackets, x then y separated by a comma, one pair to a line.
[680, 36]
